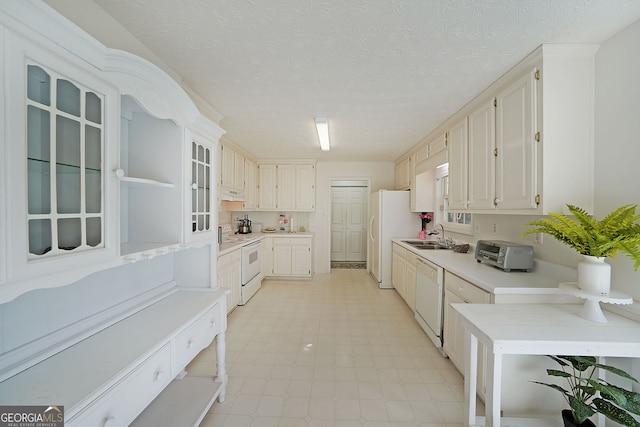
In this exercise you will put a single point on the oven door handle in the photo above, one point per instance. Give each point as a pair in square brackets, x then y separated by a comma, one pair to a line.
[251, 245]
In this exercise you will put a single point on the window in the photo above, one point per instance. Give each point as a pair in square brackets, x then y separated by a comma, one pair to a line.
[458, 222]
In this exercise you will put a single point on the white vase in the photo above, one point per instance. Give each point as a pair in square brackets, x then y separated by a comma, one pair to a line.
[594, 275]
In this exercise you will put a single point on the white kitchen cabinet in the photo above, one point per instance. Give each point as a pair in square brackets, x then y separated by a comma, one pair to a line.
[403, 274]
[543, 116]
[227, 167]
[60, 153]
[301, 257]
[422, 153]
[437, 145]
[267, 199]
[398, 269]
[291, 257]
[404, 171]
[424, 185]
[458, 146]
[305, 187]
[281, 257]
[287, 187]
[201, 195]
[516, 145]
[250, 185]
[482, 157]
[238, 171]
[267, 256]
[231, 168]
[410, 284]
[458, 290]
[230, 277]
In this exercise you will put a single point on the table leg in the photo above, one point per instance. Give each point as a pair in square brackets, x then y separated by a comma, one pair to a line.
[470, 377]
[494, 389]
[221, 370]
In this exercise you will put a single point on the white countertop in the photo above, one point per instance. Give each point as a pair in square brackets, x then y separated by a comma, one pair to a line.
[544, 278]
[241, 240]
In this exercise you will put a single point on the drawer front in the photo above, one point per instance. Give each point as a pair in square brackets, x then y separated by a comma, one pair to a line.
[465, 290]
[197, 336]
[121, 404]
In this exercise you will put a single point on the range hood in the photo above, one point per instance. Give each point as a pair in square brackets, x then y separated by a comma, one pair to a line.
[231, 195]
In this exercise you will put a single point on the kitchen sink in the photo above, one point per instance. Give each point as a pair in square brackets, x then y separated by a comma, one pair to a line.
[424, 244]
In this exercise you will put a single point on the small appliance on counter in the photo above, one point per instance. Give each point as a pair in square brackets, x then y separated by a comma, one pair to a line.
[505, 255]
[244, 225]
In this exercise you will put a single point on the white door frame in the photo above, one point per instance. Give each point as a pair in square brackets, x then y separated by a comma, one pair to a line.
[329, 220]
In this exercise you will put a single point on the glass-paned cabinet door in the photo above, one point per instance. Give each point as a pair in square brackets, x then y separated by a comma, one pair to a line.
[201, 159]
[65, 152]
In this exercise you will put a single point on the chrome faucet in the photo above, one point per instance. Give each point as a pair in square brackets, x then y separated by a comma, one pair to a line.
[447, 242]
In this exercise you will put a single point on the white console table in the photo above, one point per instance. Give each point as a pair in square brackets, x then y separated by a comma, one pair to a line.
[537, 329]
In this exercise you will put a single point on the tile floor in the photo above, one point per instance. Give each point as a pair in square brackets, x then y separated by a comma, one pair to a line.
[334, 351]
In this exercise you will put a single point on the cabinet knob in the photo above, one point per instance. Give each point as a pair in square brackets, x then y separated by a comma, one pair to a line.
[109, 421]
[158, 375]
[190, 343]
[119, 173]
[194, 186]
[212, 323]
[460, 289]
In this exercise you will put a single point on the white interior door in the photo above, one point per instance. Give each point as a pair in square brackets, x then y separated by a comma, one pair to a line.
[348, 224]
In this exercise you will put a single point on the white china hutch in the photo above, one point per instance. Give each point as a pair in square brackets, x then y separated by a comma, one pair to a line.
[107, 241]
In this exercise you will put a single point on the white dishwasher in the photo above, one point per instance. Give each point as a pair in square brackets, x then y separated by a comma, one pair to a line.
[429, 299]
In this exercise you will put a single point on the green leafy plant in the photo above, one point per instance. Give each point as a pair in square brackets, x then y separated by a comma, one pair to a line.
[619, 231]
[614, 402]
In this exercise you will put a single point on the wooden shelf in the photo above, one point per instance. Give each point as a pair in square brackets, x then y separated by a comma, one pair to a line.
[183, 403]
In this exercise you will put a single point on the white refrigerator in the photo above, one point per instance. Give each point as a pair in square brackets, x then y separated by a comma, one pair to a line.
[390, 218]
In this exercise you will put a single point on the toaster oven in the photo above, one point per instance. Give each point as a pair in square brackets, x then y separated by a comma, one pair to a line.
[505, 255]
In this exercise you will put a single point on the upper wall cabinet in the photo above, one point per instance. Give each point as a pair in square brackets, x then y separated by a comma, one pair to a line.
[250, 185]
[231, 168]
[513, 154]
[458, 145]
[287, 187]
[404, 170]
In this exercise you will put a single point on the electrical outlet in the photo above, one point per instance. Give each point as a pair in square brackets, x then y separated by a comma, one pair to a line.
[495, 228]
[537, 238]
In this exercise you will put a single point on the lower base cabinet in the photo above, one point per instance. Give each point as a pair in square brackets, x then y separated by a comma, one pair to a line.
[403, 274]
[230, 277]
[457, 290]
[290, 257]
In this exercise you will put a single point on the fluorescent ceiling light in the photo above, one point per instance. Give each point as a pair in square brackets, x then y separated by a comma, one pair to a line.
[322, 126]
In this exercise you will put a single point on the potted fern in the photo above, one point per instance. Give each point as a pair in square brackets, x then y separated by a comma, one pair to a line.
[595, 239]
[588, 394]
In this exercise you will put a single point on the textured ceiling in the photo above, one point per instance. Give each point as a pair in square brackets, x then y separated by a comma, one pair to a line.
[385, 72]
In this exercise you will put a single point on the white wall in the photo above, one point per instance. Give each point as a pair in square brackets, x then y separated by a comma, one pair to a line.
[380, 175]
[617, 151]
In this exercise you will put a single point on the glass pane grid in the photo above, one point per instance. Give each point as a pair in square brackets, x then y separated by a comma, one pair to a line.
[66, 205]
[200, 197]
